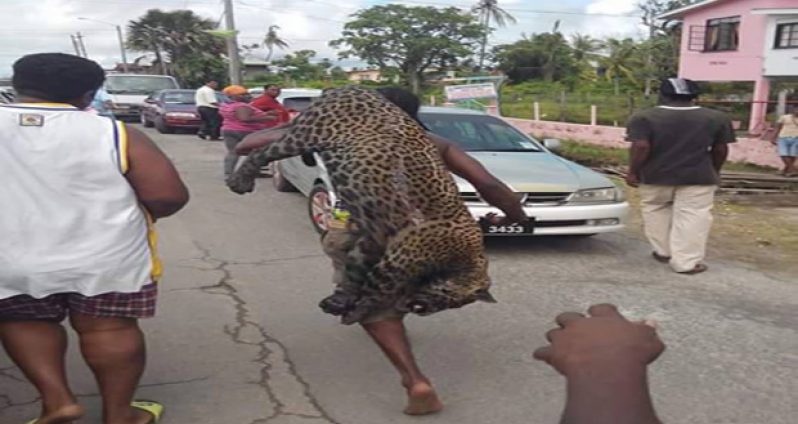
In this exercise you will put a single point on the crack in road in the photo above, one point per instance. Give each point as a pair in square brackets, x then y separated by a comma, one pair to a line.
[268, 346]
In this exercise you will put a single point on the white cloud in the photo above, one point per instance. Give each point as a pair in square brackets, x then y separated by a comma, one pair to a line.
[603, 25]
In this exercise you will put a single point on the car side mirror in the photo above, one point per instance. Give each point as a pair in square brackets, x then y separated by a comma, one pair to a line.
[149, 100]
[552, 144]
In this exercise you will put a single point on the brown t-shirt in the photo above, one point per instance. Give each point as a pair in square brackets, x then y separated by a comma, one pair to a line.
[681, 141]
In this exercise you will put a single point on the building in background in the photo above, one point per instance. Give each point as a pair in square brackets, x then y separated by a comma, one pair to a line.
[740, 40]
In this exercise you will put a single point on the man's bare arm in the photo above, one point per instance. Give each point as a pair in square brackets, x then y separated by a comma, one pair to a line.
[720, 152]
[489, 187]
[604, 358]
[153, 176]
[638, 155]
[260, 139]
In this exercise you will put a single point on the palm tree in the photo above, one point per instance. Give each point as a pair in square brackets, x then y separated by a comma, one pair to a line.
[272, 40]
[620, 61]
[489, 10]
[584, 46]
[177, 34]
[147, 34]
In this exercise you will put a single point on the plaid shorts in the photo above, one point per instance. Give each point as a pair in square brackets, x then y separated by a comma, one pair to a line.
[140, 304]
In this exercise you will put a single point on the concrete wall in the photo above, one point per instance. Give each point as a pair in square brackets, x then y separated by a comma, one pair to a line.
[751, 150]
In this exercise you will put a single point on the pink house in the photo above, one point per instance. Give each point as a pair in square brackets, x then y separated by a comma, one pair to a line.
[740, 40]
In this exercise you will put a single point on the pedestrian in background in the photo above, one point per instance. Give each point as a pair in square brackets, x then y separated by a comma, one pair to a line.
[786, 139]
[268, 102]
[678, 150]
[208, 109]
[79, 198]
[241, 119]
[102, 104]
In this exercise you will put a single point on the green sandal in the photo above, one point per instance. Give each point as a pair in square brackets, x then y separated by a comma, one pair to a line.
[154, 408]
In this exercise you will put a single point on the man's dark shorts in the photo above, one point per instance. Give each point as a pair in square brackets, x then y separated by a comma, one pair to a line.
[55, 307]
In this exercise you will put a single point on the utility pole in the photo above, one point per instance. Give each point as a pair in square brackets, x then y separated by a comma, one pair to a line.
[232, 43]
[81, 45]
[119, 37]
[75, 44]
[122, 47]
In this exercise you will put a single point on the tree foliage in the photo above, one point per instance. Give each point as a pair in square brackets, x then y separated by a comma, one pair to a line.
[544, 56]
[412, 39]
[298, 66]
[194, 55]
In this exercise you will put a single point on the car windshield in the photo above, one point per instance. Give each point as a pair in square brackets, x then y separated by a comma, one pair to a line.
[478, 133]
[181, 97]
[298, 104]
[137, 84]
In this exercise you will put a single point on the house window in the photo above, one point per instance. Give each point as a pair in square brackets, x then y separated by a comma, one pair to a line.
[787, 36]
[722, 34]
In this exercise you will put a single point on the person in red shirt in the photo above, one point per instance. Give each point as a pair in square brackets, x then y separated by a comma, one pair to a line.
[268, 102]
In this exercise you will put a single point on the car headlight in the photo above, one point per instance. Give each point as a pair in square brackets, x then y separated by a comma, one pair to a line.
[609, 194]
[180, 115]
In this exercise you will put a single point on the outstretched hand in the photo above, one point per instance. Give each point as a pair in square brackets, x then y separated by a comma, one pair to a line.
[494, 219]
[605, 338]
[240, 183]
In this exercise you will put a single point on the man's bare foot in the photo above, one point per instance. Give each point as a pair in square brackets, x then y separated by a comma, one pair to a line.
[63, 415]
[422, 400]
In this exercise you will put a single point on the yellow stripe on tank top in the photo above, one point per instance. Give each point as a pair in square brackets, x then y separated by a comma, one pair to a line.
[152, 239]
[122, 130]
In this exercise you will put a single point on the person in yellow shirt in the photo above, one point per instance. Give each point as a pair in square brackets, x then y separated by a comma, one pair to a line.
[787, 141]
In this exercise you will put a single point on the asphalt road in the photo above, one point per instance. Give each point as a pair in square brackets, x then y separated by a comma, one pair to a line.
[239, 339]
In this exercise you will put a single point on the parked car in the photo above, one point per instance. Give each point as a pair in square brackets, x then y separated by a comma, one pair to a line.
[297, 100]
[294, 99]
[128, 92]
[560, 197]
[168, 110]
[6, 96]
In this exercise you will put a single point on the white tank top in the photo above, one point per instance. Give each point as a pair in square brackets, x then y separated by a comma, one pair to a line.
[69, 220]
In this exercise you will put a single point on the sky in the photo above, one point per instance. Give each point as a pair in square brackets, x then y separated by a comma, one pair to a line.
[45, 25]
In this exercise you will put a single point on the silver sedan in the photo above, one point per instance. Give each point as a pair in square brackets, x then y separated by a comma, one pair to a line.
[561, 197]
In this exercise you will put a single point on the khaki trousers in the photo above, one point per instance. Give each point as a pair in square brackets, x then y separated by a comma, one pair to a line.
[677, 220]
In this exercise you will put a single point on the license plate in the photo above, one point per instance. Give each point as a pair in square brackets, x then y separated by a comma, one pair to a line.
[525, 228]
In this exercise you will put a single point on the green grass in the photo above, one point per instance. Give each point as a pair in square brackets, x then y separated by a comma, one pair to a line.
[597, 156]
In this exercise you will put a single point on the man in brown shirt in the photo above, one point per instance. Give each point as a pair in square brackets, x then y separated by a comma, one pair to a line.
[677, 152]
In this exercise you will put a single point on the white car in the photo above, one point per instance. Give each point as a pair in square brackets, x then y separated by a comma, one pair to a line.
[128, 92]
[561, 197]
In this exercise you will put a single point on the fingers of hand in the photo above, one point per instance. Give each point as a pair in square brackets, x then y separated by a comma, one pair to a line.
[605, 310]
[650, 322]
[552, 333]
[543, 354]
[568, 317]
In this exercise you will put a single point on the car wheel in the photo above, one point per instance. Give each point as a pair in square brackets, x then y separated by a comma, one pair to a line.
[144, 121]
[279, 181]
[319, 207]
[162, 128]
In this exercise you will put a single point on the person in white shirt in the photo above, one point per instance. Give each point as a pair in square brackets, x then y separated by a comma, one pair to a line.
[80, 195]
[208, 109]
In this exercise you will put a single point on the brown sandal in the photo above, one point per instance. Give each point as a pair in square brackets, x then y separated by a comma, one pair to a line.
[699, 268]
[661, 258]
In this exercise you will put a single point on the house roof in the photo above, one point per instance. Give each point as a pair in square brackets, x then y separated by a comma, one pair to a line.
[680, 12]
